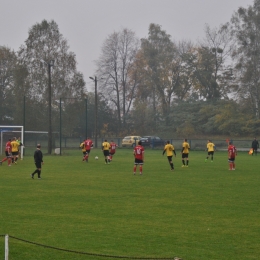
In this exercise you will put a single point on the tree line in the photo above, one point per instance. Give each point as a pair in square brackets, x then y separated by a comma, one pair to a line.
[153, 85]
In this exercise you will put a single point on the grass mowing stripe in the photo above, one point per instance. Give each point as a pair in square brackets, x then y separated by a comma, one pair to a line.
[200, 212]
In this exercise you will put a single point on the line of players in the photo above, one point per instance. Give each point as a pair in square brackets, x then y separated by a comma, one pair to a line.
[169, 148]
[12, 147]
[109, 149]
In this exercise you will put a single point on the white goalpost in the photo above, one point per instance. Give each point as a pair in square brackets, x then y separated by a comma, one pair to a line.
[11, 128]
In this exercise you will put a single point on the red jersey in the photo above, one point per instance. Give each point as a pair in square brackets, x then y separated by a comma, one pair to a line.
[232, 151]
[88, 144]
[113, 147]
[139, 152]
[8, 147]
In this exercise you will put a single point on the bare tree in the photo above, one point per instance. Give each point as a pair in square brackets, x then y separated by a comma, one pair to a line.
[114, 67]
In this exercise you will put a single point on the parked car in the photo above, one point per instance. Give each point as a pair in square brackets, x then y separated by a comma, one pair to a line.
[152, 141]
[130, 141]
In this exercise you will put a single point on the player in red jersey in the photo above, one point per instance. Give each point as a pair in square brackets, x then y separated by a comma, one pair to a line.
[232, 152]
[112, 150]
[139, 157]
[88, 146]
[8, 153]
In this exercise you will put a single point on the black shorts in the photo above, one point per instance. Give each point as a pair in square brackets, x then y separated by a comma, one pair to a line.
[211, 153]
[185, 155]
[7, 154]
[14, 153]
[169, 158]
[88, 151]
[38, 165]
[106, 152]
[139, 162]
[84, 153]
[231, 159]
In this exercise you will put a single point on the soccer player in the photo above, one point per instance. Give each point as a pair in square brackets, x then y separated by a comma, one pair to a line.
[105, 149]
[139, 157]
[38, 160]
[112, 150]
[185, 153]
[169, 149]
[255, 146]
[210, 149]
[88, 146]
[232, 152]
[83, 149]
[15, 150]
[8, 153]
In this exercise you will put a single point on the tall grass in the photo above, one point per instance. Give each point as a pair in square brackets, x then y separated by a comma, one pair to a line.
[201, 212]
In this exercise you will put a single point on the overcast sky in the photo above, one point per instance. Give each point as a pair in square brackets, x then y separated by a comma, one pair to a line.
[87, 23]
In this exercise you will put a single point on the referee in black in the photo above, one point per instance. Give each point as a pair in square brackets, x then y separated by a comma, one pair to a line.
[38, 161]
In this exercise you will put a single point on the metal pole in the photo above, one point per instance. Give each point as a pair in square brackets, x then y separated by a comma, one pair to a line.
[96, 112]
[49, 101]
[23, 124]
[60, 126]
[86, 135]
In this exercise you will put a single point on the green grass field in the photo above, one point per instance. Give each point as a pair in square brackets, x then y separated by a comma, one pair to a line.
[201, 212]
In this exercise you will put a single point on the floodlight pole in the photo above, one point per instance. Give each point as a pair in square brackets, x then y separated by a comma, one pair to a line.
[86, 134]
[23, 124]
[60, 127]
[49, 64]
[96, 109]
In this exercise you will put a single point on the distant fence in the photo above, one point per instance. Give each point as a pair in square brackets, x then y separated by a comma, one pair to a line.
[69, 143]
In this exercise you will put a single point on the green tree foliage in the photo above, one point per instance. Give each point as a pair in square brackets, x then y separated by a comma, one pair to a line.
[45, 44]
[245, 27]
[159, 54]
[8, 67]
[221, 117]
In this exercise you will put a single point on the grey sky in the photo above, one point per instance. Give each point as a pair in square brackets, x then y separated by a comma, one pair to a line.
[87, 23]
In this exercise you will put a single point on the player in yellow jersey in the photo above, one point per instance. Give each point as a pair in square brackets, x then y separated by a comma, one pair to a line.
[210, 149]
[105, 149]
[185, 153]
[15, 150]
[83, 149]
[169, 149]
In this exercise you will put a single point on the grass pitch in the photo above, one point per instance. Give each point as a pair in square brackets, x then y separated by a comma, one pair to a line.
[201, 212]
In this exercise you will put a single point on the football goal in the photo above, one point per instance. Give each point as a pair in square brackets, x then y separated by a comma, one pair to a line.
[11, 129]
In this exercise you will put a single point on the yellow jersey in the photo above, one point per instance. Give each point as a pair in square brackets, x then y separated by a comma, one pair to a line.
[106, 146]
[82, 146]
[185, 147]
[15, 146]
[210, 147]
[169, 148]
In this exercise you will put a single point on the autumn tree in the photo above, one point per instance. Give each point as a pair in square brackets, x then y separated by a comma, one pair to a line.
[159, 51]
[245, 26]
[209, 61]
